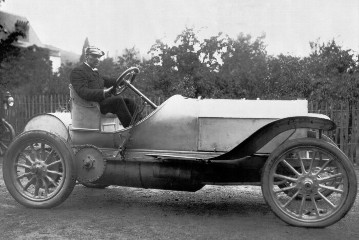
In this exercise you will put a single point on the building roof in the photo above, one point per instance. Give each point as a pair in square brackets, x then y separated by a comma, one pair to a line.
[8, 21]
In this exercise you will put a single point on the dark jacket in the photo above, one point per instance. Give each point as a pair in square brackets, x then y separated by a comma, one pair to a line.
[89, 84]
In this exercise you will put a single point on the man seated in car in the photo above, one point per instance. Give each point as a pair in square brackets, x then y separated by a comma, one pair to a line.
[91, 86]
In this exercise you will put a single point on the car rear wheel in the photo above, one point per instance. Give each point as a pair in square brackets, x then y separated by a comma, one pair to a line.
[39, 170]
[319, 182]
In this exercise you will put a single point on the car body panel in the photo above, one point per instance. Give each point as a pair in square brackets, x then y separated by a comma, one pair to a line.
[211, 125]
[193, 127]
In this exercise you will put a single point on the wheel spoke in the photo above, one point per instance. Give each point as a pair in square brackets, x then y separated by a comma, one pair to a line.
[46, 187]
[285, 189]
[323, 167]
[42, 152]
[24, 175]
[329, 178]
[331, 188]
[29, 183]
[327, 200]
[301, 164]
[55, 172]
[302, 206]
[26, 158]
[291, 168]
[315, 205]
[53, 163]
[49, 155]
[3, 145]
[280, 182]
[310, 170]
[285, 177]
[37, 188]
[33, 151]
[23, 165]
[291, 199]
[51, 180]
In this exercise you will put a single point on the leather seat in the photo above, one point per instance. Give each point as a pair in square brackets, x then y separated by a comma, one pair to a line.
[86, 114]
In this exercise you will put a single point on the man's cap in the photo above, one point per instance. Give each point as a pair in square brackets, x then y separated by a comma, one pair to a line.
[94, 51]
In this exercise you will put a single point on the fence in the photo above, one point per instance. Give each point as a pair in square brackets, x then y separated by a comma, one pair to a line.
[26, 107]
[346, 117]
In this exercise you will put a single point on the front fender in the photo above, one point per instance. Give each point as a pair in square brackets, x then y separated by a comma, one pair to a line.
[265, 134]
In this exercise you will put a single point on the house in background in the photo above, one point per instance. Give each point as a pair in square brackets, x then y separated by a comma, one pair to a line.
[10, 22]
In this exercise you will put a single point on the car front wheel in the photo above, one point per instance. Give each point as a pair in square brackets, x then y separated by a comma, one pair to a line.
[309, 183]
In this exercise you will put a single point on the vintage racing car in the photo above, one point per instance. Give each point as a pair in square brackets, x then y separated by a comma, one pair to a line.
[185, 144]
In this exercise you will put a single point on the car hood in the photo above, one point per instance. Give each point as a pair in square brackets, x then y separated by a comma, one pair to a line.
[188, 124]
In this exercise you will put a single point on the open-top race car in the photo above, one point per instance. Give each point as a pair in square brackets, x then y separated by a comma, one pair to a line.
[185, 144]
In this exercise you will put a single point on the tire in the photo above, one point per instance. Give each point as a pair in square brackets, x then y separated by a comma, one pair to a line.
[7, 134]
[95, 185]
[39, 170]
[315, 134]
[320, 178]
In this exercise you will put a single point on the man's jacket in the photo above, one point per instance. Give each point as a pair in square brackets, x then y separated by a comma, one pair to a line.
[89, 84]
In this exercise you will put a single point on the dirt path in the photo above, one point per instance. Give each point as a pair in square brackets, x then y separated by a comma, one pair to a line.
[129, 213]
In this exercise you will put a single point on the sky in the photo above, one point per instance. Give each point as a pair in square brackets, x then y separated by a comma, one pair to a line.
[113, 25]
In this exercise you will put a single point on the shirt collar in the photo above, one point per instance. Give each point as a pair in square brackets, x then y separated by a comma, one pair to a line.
[93, 69]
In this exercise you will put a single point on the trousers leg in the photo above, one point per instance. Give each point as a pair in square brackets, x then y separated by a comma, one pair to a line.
[131, 105]
[118, 106]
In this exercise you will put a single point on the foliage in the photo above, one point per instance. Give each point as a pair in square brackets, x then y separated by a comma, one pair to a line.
[217, 67]
[86, 45]
[30, 72]
[244, 67]
[60, 82]
[287, 78]
[8, 52]
[334, 73]
[129, 58]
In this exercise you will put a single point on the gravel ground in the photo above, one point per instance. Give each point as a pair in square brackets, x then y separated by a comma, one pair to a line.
[214, 212]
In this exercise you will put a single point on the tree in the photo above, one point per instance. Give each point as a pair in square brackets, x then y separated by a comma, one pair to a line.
[129, 58]
[161, 69]
[83, 55]
[332, 71]
[178, 69]
[30, 72]
[8, 51]
[60, 82]
[288, 78]
[244, 68]
[108, 67]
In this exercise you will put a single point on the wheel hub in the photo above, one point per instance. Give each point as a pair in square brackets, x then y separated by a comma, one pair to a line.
[308, 185]
[39, 169]
[88, 162]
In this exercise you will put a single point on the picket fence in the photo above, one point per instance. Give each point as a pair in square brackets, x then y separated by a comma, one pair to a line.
[346, 117]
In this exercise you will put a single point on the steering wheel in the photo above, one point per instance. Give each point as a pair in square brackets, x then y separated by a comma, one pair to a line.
[126, 78]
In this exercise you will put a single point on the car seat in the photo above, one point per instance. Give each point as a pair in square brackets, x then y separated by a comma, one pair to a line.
[87, 115]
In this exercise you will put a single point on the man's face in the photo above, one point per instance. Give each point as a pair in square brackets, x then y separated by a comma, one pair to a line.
[93, 60]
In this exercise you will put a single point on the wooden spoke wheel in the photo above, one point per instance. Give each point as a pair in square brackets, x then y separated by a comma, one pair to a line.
[39, 169]
[309, 183]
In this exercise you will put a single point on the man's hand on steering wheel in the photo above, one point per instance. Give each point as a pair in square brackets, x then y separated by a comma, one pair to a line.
[107, 92]
[125, 79]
